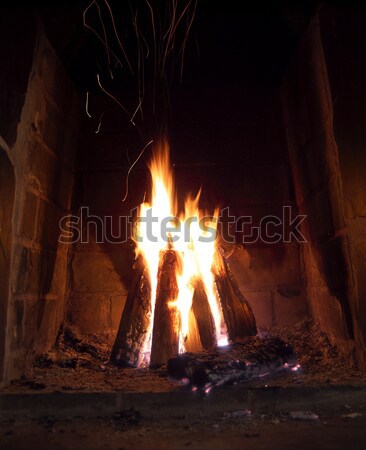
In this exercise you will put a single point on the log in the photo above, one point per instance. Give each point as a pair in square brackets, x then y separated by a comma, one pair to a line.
[238, 314]
[135, 321]
[193, 340]
[165, 340]
[249, 360]
[203, 316]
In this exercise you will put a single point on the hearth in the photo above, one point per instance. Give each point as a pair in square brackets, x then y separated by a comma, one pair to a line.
[182, 197]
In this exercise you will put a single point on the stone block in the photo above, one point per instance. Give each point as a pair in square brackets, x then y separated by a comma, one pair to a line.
[90, 312]
[118, 149]
[117, 306]
[70, 147]
[101, 272]
[319, 150]
[47, 175]
[53, 77]
[286, 264]
[106, 190]
[50, 316]
[289, 309]
[40, 169]
[257, 268]
[327, 311]
[360, 260]
[27, 218]
[261, 303]
[319, 210]
[334, 264]
[26, 270]
[48, 229]
[53, 134]
[63, 187]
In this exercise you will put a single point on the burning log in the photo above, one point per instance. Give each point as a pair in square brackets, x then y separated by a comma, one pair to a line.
[135, 322]
[192, 342]
[202, 313]
[238, 314]
[249, 360]
[165, 340]
[201, 334]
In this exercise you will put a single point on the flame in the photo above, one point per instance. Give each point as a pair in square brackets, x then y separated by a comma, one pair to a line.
[195, 245]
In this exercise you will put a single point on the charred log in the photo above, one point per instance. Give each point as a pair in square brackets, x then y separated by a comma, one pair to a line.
[236, 363]
[238, 314]
[135, 322]
[165, 340]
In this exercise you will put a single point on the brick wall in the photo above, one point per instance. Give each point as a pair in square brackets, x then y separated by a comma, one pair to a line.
[319, 108]
[43, 157]
[229, 141]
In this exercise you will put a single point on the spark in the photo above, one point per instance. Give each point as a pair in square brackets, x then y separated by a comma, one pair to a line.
[129, 170]
[155, 60]
[87, 104]
[120, 104]
[134, 114]
[105, 39]
[174, 26]
[169, 31]
[181, 16]
[97, 34]
[100, 122]
[172, 21]
[140, 63]
[183, 48]
[117, 36]
[111, 96]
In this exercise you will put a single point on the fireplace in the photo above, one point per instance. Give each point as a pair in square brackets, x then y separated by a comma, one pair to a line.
[258, 128]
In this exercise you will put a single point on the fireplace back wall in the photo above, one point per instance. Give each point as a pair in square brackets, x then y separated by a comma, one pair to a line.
[226, 135]
[230, 143]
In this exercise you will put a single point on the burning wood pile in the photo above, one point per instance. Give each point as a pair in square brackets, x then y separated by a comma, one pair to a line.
[184, 297]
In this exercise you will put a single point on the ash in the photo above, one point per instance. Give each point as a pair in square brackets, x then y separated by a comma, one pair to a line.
[81, 363]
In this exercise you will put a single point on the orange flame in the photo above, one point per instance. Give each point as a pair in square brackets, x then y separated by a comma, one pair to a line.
[191, 235]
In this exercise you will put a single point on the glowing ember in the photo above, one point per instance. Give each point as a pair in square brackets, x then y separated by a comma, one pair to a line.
[191, 234]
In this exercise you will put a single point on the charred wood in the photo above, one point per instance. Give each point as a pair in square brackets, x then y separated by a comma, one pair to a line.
[241, 362]
[165, 340]
[203, 316]
[238, 314]
[135, 322]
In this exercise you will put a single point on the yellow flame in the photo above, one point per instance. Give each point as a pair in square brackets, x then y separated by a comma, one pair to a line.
[193, 241]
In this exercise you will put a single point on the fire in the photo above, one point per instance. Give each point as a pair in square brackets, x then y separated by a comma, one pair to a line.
[191, 234]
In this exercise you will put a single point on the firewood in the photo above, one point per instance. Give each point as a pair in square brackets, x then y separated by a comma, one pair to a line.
[193, 340]
[238, 314]
[135, 322]
[165, 340]
[251, 359]
[203, 316]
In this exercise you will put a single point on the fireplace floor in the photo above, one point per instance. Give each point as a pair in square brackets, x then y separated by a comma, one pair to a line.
[80, 365]
[72, 399]
[332, 431]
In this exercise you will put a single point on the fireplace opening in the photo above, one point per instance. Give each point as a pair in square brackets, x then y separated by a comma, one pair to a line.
[244, 133]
